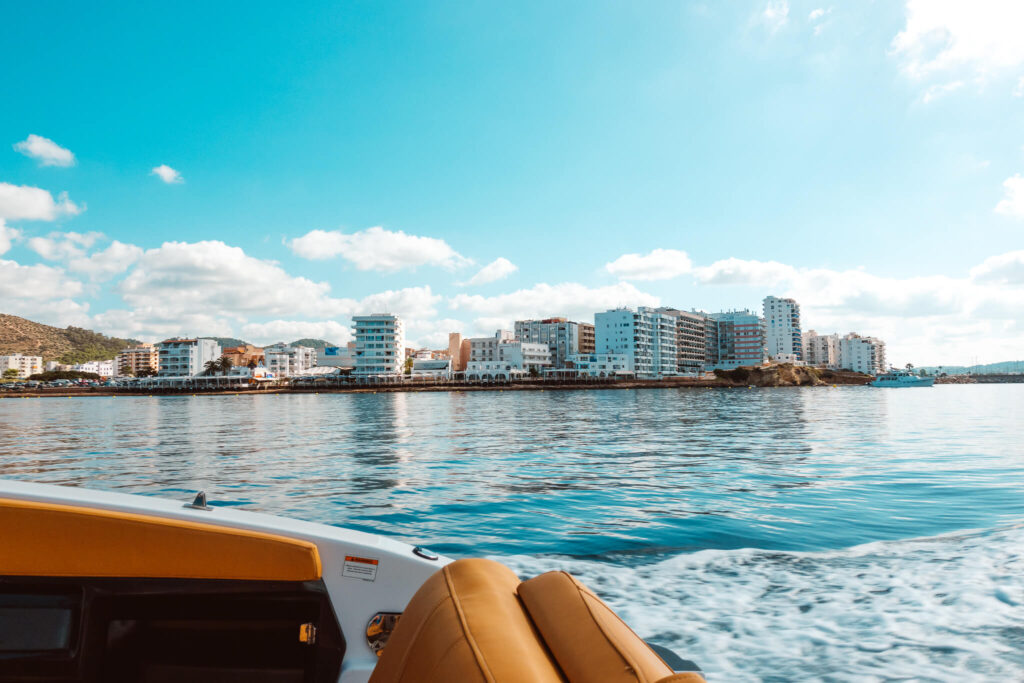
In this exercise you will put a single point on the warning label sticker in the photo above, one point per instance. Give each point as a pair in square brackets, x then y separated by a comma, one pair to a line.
[364, 568]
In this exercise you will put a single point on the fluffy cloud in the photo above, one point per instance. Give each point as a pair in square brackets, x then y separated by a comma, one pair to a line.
[496, 270]
[64, 245]
[775, 14]
[7, 237]
[378, 249]
[1012, 203]
[543, 300]
[734, 271]
[816, 14]
[660, 264]
[1005, 268]
[23, 202]
[108, 263]
[934, 92]
[290, 330]
[41, 293]
[167, 174]
[975, 39]
[927, 320]
[45, 151]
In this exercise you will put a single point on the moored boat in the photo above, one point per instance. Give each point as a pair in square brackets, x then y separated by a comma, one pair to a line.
[901, 378]
[98, 586]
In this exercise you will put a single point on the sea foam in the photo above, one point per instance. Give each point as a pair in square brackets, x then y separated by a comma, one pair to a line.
[947, 608]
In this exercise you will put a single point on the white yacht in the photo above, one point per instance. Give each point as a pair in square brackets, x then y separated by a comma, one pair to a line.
[98, 586]
[902, 378]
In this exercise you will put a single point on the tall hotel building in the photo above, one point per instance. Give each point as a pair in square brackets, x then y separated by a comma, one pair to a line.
[380, 344]
[136, 359]
[734, 338]
[782, 336]
[691, 340]
[646, 337]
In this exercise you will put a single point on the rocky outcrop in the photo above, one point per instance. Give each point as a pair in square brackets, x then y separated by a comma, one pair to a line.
[788, 375]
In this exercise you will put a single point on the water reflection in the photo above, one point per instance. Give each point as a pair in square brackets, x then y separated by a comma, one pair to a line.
[585, 473]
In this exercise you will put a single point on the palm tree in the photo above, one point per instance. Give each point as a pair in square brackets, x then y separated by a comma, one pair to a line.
[211, 367]
[224, 364]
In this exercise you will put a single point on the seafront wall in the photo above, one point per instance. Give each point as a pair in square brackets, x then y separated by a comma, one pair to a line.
[802, 377]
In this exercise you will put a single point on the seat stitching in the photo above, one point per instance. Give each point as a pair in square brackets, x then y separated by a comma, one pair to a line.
[481, 662]
[415, 637]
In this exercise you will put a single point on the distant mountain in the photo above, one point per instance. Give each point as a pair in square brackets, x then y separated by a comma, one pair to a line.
[225, 342]
[312, 343]
[1005, 367]
[67, 345]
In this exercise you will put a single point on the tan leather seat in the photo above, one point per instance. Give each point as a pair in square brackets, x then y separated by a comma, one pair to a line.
[473, 621]
[588, 640]
[465, 623]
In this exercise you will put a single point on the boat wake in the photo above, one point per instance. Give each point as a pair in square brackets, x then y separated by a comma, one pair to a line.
[946, 608]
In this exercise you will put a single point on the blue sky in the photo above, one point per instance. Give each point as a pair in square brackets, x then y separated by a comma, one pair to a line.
[348, 158]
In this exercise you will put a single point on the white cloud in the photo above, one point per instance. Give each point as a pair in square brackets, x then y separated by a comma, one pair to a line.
[45, 151]
[496, 270]
[775, 14]
[569, 299]
[108, 263]
[167, 174]
[1018, 90]
[34, 283]
[7, 237]
[64, 245]
[973, 39]
[734, 271]
[660, 264]
[816, 14]
[290, 330]
[378, 249]
[1005, 268]
[1013, 203]
[23, 202]
[934, 92]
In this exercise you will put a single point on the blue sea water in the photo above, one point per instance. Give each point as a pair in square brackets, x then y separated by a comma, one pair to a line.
[769, 534]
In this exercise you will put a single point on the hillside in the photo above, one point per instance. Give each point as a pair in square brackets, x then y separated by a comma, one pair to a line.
[313, 343]
[1005, 367]
[68, 345]
[226, 342]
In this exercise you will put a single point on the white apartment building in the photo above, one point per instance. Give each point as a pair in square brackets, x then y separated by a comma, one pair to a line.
[862, 354]
[186, 357]
[282, 360]
[103, 368]
[646, 336]
[25, 365]
[562, 336]
[782, 336]
[821, 350]
[602, 364]
[379, 344]
[486, 348]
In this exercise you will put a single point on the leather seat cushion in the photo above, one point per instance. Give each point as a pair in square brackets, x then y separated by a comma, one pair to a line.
[466, 623]
[587, 639]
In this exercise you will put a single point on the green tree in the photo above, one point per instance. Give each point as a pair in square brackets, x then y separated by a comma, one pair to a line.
[11, 373]
[408, 366]
[211, 367]
[224, 364]
[146, 372]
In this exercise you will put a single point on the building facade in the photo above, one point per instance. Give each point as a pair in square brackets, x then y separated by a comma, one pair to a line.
[103, 368]
[483, 349]
[562, 336]
[337, 356]
[431, 368]
[379, 344]
[821, 350]
[783, 338]
[143, 358]
[862, 354]
[601, 365]
[244, 356]
[185, 357]
[691, 340]
[25, 365]
[734, 339]
[588, 339]
[282, 360]
[646, 336]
